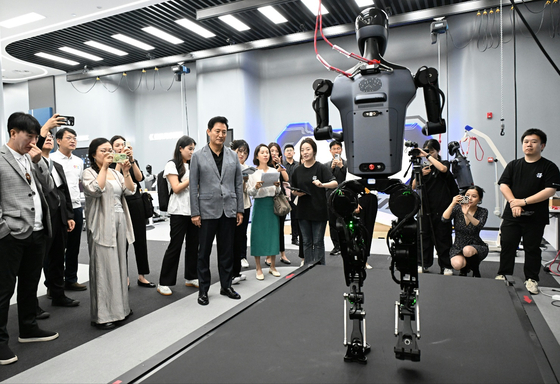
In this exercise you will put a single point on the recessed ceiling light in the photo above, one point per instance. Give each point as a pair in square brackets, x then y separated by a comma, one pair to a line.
[134, 42]
[104, 47]
[56, 58]
[80, 53]
[162, 35]
[313, 6]
[234, 22]
[272, 14]
[364, 3]
[21, 20]
[195, 28]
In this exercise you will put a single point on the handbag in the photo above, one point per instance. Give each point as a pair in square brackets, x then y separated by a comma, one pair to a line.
[148, 205]
[281, 205]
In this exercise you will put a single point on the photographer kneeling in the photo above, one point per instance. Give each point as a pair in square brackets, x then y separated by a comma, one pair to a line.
[469, 218]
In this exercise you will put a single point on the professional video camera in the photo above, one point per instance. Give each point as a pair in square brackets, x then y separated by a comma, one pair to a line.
[372, 100]
[460, 167]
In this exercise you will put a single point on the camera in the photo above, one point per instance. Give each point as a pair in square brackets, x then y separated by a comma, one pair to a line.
[465, 200]
[68, 120]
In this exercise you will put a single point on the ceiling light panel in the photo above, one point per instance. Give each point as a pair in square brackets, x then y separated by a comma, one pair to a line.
[313, 6]
[273, 15]
[21, 20]
[106, 48]
[234, 23]
[364, 3]
[56, 58]
[162, 35]
[195, 28]
[80, 53]
[133, 42]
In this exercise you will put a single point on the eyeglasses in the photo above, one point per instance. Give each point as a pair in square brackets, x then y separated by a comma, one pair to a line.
[70, 138]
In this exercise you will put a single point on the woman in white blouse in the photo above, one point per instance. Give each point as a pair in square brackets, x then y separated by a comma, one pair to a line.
[181, 227]
[264, 223]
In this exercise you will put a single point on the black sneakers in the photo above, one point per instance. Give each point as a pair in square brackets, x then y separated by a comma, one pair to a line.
[6, 355]
[37, 335]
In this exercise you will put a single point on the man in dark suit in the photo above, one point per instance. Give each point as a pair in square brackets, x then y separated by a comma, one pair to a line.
[62, 220]
[24, 229]
[338, 168]
[216, 206]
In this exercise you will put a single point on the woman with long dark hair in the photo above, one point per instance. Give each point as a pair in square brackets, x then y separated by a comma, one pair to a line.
[109, 229]
[313, 178]
[469, 218]
[276, 162]
[181, 227]
[264, 228]
[136, 208]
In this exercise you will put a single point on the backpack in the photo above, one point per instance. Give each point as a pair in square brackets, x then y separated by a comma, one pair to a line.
[163, 191]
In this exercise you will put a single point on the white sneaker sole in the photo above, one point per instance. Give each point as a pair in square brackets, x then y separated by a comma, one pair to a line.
[9, 361]
[37, 339]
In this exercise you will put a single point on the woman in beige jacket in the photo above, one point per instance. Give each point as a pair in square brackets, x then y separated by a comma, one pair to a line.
[109, 228]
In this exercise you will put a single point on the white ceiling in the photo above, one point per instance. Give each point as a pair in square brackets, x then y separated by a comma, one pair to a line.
[58, 14]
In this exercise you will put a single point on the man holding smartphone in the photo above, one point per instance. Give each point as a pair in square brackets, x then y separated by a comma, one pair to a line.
[338, 169]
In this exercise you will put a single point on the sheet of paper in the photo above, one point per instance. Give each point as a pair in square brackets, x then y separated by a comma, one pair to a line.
[269, 178]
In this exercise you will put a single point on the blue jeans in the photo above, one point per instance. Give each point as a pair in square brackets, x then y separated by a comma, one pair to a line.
[313, 238]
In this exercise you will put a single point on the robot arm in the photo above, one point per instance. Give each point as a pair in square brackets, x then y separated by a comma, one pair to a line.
[427, 79]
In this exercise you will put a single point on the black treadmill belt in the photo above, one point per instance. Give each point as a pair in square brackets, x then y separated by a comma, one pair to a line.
[470, 331]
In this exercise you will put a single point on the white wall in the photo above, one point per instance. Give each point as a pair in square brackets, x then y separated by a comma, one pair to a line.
[261, 92]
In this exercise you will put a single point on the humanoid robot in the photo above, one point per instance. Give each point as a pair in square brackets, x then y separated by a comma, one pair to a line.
[372, 99]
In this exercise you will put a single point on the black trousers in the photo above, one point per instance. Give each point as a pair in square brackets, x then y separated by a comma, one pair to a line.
[294, 223]
[73, 247]
[240, 243]
[53, 263]
[368, 215]
[223, 230]
[432, 225]
[281, 221]
[21, 259]
[138, 218]
[511, 232]
[181, 228]
[332, 229]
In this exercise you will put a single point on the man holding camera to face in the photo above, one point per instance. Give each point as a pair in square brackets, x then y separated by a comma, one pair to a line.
[338, 168]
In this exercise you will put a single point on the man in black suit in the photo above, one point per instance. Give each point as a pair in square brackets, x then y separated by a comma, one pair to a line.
[62, 220]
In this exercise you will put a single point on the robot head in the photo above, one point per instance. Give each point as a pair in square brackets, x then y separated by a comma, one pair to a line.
[372, 23]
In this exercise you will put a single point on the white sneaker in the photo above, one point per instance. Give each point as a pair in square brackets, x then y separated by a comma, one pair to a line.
[500, 277]
[244, 263]
[368, 266]
[236, 280]
[164, 290]
[242, 277]
[447, 272]
[191, 283]
[532, 286]
[301, 264]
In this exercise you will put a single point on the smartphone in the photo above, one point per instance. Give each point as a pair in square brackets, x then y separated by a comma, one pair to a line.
[337, 156]
[119, 157]
[465, 200]
[126, 144]
[68, 120]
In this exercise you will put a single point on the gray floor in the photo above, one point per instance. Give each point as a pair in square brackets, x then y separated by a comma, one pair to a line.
[114, 353]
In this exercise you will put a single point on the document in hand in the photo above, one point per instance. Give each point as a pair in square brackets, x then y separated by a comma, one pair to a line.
[269, 178]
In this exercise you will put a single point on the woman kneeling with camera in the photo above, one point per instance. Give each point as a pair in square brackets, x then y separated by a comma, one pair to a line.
[469, 218]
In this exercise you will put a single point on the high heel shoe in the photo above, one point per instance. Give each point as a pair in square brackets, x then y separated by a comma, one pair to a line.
[146, 285]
